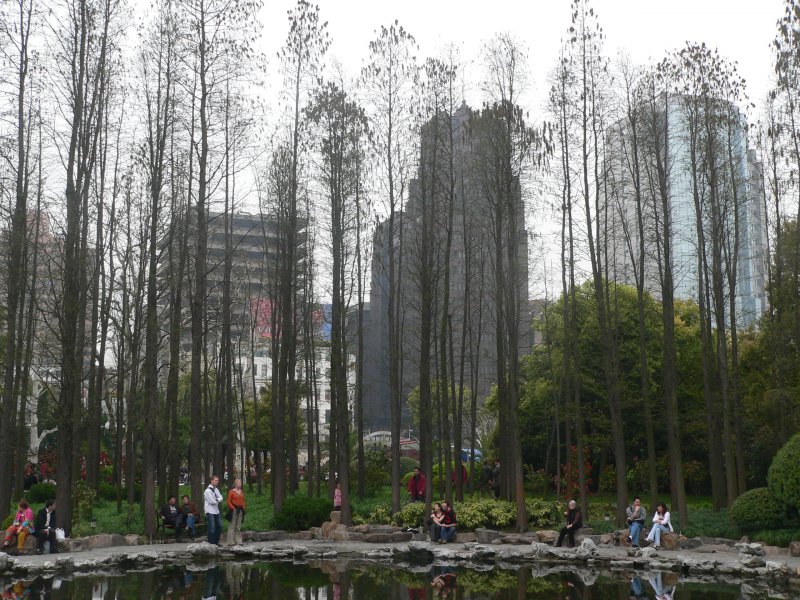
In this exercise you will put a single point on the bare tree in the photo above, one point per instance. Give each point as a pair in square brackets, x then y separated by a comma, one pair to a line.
[389, 78]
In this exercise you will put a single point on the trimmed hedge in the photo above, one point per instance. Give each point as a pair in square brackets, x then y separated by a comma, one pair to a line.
[783, 478]
[758, 509]
[301, 512]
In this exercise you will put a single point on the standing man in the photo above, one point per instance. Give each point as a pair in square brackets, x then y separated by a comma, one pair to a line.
[211, 501]
[496, 478]
[45, 525]
[416, 486]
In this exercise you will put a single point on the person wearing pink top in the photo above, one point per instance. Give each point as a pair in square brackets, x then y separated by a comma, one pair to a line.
[21, 526]
[337, 497]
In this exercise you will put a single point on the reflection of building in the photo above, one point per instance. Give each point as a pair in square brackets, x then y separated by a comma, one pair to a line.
[471, 277]
[740, 187]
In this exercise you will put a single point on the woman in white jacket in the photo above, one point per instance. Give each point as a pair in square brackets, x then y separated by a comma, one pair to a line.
[661, 522]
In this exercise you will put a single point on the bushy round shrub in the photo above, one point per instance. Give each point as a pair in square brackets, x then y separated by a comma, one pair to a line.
[783, 478]
[41, 492]
[411, 515]
[542, 513]
[757, 509]
[301, 512]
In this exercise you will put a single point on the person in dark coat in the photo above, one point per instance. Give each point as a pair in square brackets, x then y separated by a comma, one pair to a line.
[172, 516]
[574, 522]
[45, 525]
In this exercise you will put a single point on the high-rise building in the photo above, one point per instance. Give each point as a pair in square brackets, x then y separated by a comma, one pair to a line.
[471, 308]
[738, 197]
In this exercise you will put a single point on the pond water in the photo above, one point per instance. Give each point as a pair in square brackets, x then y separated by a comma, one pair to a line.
[340, 581]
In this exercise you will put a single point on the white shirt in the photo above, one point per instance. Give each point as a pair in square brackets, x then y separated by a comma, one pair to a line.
[665, 522]
[212, 499]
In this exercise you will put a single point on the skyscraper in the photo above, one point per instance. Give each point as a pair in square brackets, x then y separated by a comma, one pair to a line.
[716, 202]
[470, 318]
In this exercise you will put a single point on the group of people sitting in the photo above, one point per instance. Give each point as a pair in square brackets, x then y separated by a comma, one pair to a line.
[178, 517]
[43, 527]
[636, 517]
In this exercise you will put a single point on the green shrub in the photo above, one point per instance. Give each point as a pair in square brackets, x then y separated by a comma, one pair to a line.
[758, 509]
[106, 491]
[542, 513]
[776, 537]
[377, 471]
[41, 492]
[411, 515]
[783, 478]
[301, 512]
[485, 512]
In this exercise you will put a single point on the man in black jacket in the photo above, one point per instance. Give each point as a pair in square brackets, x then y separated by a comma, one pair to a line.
[45, 527]
[172, 516]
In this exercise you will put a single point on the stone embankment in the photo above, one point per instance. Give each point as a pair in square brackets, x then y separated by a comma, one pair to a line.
[704, 558]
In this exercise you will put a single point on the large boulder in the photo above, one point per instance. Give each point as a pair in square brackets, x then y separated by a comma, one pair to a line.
[670, 541]
[329, 527]
[378, 538]
[203, 549]
[794, 549]
[586, 550]
[336, 517]
[751, 561]
[467, 537]
[342, 535]
[487, 536]
[401, 536]
[546, 536]
[752, 549]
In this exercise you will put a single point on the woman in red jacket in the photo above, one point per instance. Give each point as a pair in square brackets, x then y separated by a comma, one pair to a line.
[236, 505]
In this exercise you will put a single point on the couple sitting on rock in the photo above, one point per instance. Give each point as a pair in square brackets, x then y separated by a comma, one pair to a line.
[443, 523]
[635, 518]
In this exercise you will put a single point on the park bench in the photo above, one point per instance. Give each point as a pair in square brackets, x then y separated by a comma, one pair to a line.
[162, 528]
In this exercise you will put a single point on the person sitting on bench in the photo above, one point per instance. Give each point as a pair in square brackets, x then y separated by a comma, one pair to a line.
[46, 527]
[172, 516]
[190, 515]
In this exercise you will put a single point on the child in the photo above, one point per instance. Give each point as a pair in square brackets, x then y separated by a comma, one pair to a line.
[337, 497]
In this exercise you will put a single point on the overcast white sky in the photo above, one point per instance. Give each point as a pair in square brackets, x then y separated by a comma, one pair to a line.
[644, 29]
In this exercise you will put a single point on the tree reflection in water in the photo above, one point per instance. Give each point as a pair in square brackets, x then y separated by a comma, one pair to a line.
[343, 580]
